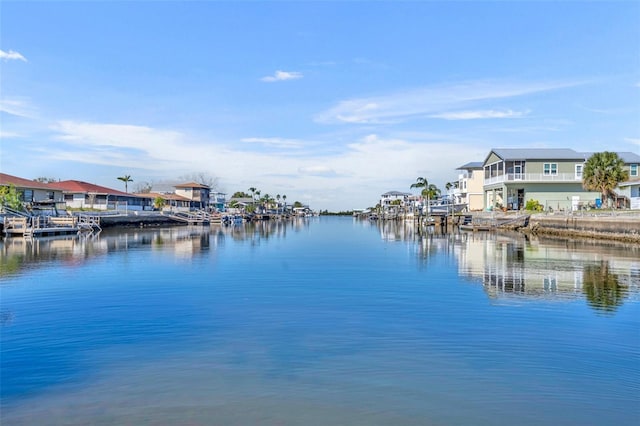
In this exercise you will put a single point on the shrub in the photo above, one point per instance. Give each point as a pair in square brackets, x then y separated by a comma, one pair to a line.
[534, 205]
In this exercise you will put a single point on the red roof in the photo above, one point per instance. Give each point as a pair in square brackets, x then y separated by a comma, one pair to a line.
[78, 186]
[191, 185]
[174, 197]
[6, 179]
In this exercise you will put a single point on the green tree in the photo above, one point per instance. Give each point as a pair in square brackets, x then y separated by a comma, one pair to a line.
[602, 287]
[241, 194]
[420, 183]
[126, 179]
[602, 172]
[431, 192]
[266, 200]
[252, 190]
[158, 203]
[10, 197]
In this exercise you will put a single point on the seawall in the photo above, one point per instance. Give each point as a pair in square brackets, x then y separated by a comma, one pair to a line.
[623, 227]
[138, 221]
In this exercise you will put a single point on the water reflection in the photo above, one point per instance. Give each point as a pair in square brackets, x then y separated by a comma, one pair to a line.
[512, 267]
[17, 254]
[602, 287]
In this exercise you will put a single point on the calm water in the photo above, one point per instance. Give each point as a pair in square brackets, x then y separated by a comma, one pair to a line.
[326, 321]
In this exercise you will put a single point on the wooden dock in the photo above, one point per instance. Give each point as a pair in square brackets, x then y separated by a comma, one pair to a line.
[199, 217]
[44, 226]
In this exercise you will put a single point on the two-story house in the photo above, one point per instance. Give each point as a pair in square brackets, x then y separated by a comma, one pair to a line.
[394, 198]
[217, 201]
[553, 177]
[470, 183]
[196, 192]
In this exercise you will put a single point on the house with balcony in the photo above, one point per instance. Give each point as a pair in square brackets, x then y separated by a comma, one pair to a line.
[470, 183]
[217, 201]
[552, 176]
[197, 193]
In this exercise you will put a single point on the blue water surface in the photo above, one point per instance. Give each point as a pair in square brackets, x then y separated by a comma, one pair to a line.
[319, 321]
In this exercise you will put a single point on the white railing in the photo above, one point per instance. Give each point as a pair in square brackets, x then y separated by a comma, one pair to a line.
[533, 177]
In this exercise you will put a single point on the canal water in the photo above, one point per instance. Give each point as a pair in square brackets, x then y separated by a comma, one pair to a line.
[321, 321]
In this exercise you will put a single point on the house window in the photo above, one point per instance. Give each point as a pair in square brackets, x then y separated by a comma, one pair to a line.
[27, 195]
[579, 171]
[550, 169]
[633, 170]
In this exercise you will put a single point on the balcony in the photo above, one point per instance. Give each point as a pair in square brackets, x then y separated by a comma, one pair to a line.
[533, 177]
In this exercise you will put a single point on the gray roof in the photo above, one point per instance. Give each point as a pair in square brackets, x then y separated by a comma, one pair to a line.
[554, 154]
[538, 154]
[397, 193]
[474, 165]
[627, 157]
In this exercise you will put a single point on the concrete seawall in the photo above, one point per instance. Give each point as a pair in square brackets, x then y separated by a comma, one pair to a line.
[620, 227]
[138, 221]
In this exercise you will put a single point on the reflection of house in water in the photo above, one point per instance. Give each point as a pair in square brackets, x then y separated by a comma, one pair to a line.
[17, 253]
[510, 265]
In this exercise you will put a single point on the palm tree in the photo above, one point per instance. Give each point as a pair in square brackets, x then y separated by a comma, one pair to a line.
[126, 179]
[420, 183]
[602, 287]
[431, 192]
[602, 172]
[253, 192]
[158, 203]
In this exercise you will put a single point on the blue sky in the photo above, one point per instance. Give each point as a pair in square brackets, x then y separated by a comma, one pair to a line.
[330, 103]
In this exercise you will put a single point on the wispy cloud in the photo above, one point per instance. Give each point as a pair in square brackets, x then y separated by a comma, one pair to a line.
[282, 76]
[479, 114]
[11, 56]
[317, 170]
[17, 107]
[8, 135]
[275, 142]
[430, 101]
[101, 143]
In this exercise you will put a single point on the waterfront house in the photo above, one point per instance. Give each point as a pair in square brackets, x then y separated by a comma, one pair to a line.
[32, 192]
[470, 183]
[553, 177]
[83, 195]
[197, 193]
[629, 192]
[394, 198]
[171, 201]
[217, 201]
